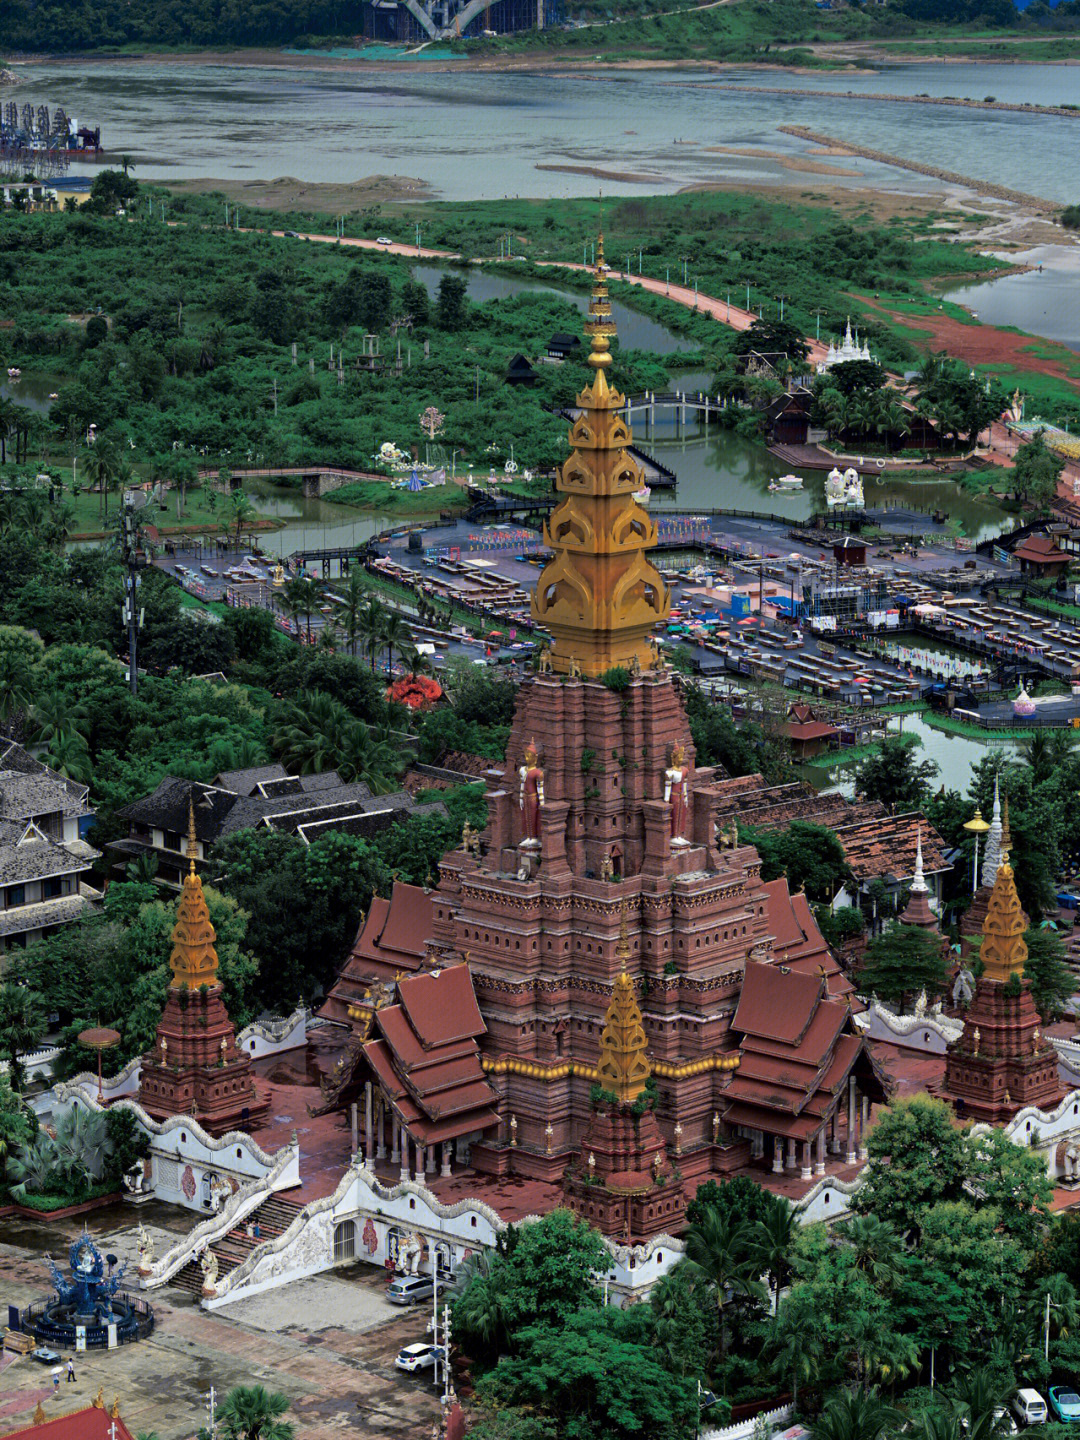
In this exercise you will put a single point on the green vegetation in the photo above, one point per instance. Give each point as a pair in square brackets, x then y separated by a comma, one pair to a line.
[902, 961]
[895, 776]
[950, 1253]
[810, 856]
[780, 32]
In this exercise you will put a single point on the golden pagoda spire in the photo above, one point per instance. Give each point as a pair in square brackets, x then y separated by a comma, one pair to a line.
[194, 960]
[599, 596]
[1006, 837]
[624, 1066]
[1003, 951]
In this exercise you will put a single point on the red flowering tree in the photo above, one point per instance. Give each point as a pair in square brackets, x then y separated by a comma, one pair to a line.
[415, 691]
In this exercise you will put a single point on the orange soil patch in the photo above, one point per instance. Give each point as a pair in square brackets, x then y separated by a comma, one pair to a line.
[980, 344]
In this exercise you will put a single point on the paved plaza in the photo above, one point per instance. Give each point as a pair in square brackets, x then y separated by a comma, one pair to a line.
[328, 1343]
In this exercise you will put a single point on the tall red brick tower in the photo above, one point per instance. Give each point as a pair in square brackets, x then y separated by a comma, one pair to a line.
[600, 812]
[1002, 1061]
[195, 1068]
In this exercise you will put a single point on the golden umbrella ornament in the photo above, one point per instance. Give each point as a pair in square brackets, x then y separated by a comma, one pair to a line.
[977, 826]
[99, 1038]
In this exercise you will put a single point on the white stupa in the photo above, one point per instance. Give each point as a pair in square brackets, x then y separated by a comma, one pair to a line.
[849, 349]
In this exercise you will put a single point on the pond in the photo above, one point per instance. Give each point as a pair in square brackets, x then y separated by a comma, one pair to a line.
[956, 756]
[636, 331]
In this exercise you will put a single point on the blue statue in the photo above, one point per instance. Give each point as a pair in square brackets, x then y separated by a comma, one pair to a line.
[90, 1289]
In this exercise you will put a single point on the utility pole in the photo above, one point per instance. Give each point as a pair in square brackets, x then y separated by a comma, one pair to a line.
[275, 394]
[132, 613]
[211, 1410]
[640, 252]
[817, 332]
[478, 384]
[781, 309]
[748, 295]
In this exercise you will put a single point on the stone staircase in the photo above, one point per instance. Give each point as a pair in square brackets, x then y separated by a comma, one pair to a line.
[273, 1217]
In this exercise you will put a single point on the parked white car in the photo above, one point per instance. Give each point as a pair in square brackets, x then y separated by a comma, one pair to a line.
[1029, 1407]
[417, 1357]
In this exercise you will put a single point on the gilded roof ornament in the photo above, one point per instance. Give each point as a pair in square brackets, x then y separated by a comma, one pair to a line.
[194, 960]
[599, 596]
[1003, 951]
[624, 1066]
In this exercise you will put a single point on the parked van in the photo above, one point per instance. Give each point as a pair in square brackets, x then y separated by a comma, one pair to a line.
[411, 1289]
[1029, 1407]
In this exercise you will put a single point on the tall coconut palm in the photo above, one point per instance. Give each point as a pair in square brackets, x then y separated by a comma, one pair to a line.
[371, 628]
[309, 734]
[299, 601]
[395, 636]
[54, 713]
[16, 684]
[719, 1250]
[349, 608]
[239, 511]
[797, 1344]
[101, 464]
[771, 1240]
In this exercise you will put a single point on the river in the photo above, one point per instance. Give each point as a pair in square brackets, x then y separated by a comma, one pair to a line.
[956, 756]
[660, 129]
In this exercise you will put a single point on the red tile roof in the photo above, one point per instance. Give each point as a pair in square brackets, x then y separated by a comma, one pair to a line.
[809, 730]
[797, 1050]
[392, 938]
[88, 1424]
[427, 1060]
[1039, 550]
[775, 1008]
[886, 844]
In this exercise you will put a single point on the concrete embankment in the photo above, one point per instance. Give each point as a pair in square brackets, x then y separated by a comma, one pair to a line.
[981, 187]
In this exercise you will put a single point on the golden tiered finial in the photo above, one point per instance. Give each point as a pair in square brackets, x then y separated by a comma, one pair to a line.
[599, 596]
[624, 1066]
[40, 1418]
[1006, 837]
[194, 960]
[192, 843]
[1003, 951]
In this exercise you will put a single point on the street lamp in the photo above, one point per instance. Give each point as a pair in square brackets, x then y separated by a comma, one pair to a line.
[977, 826]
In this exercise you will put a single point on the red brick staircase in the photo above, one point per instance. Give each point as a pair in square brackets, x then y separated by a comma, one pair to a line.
[273, 1217]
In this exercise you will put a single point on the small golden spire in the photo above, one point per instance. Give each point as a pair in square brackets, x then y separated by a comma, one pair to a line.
[623, 1067]
[1006, 838]
[114, 1413]
[194, 960]
[98, 1401]
[192, 846]
[1003, 951]
[40, 1418]
[622, 949]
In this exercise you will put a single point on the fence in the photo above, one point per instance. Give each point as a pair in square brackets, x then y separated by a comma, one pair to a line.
[138, 1324]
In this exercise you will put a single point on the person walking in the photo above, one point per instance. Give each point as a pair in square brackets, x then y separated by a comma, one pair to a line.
[56, 1373]
[70, 1370]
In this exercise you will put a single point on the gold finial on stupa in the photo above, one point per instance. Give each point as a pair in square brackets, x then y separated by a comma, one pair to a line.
[192, 851]
[623, 1067]
[599, 596]
[194, 960]
[1006, 837]
[1003, 951]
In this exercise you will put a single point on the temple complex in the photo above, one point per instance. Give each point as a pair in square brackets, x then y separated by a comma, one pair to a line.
[606, 929]
[1002, 1061]
[195, 1067]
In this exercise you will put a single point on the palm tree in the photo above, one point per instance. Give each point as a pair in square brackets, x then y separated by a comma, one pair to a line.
[977, 1396]
[81, 1139]
[143, 869]
[329, 636]
[371, 627]
[22, 1024]
[310, 732]
[299, 602]
[798, 1347]
[239, 511]
[853, 1417]
[771, 1241]
[350, 606]
[7, 424]
[879, 1249]
[69, 756]
[359, 756]
[937, 1425]
[479, 1310]
[100, 466]
[251, 1412]
[16, 684]
[719, 1249]
[395, 636]
[31, 1166]
[54, 713]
